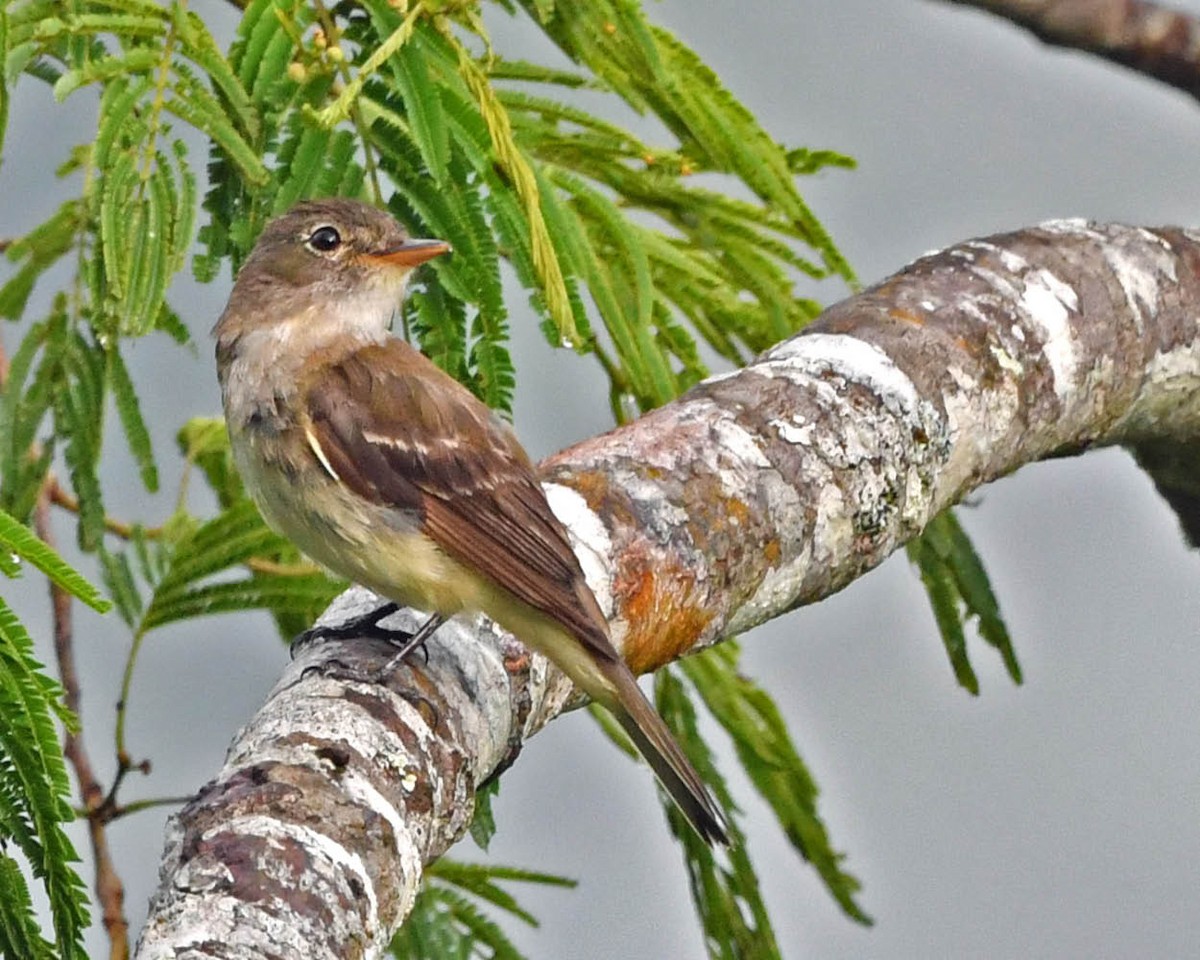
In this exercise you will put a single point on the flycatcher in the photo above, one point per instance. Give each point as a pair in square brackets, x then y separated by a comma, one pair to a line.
[384, 469]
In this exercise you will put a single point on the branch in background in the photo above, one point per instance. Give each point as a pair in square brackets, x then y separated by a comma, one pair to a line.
[69, 502]
[757, 491]
[1146, 37]
[110, 892]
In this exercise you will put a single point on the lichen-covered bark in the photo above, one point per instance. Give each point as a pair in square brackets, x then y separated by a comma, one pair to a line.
[759, 490]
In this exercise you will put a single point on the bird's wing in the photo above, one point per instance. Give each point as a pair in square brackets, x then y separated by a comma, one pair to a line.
[399, 431]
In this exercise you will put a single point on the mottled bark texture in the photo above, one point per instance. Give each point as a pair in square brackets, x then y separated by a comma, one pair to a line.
[758, 491]
[1147, 37]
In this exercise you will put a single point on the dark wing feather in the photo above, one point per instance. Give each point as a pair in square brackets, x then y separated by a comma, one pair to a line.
[399, 431]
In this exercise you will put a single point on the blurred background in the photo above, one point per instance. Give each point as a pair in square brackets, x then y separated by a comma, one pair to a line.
[1055, 819]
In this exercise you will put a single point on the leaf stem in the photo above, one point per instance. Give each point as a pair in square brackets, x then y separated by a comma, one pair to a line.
[339, 110]
[356, 117]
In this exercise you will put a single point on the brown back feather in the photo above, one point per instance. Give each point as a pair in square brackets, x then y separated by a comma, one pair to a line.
[401, 432]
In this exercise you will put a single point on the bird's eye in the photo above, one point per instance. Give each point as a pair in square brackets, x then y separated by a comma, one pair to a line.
[324, 239]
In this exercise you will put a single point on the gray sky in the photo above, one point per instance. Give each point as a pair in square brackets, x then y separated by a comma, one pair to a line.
[1057, 819]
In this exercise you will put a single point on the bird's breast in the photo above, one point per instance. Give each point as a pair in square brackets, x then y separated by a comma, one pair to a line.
[376, 545]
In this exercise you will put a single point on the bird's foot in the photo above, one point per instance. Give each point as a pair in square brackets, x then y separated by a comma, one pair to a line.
[367, 626]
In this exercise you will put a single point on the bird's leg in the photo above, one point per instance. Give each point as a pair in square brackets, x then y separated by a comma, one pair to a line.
[368, 626]
[365, 626]
[423, 633]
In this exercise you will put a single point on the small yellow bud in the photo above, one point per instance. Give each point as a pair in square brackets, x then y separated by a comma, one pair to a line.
[610, 28]
[319, 39]
[336, 54]
[297, 72]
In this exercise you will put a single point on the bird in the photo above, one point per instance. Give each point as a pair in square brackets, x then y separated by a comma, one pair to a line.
[385, 470]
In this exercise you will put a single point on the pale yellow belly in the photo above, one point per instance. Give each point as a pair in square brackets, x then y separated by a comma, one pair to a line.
[376, 546]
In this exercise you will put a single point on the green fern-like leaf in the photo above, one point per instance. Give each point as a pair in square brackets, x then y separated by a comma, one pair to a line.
[199, 46]
[40, 249]
[33, 781]
[224, 546]
[204, 441]
[205, 114]
[24, 404]
[764, 746]
[130, 412]
[482, 880]
[451, 925]
[229, 539]
[423, 107]
[958, 588]
[727, 899]
[78, 415]
[18, 539]
[122, 586]
[20, 935]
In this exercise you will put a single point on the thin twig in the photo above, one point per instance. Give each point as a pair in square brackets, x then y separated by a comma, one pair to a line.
[110, 891]
[137, 806]
[297, 569]
[126, 531]
[329, 25]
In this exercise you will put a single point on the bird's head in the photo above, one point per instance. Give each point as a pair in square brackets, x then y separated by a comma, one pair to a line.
[327, 266]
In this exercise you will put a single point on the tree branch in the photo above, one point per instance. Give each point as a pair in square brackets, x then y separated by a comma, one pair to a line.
[1146, 37]
[110, 891]
[758, 491]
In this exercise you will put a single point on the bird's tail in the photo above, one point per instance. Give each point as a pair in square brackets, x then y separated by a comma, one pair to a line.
[666, 758]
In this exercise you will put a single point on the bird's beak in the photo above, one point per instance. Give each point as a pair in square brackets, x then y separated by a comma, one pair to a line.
[412, 252]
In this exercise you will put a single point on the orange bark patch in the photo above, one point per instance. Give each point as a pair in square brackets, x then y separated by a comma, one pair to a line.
[899, 313]
[592, 485]
[736, 510]
[772, 551]
[660, 607]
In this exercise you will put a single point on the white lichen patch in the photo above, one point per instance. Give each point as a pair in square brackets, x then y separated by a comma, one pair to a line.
[1048, 304]
[1005, 285]
[1071, 226]
[855, 359]
[739, 445]
[316, 707]
[794, 430]
[589, 538]
[1140, 267]
[361, 791]
[863, 437]
[331, 863]
[1013, 261]
[648, 490]
[963, 380]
